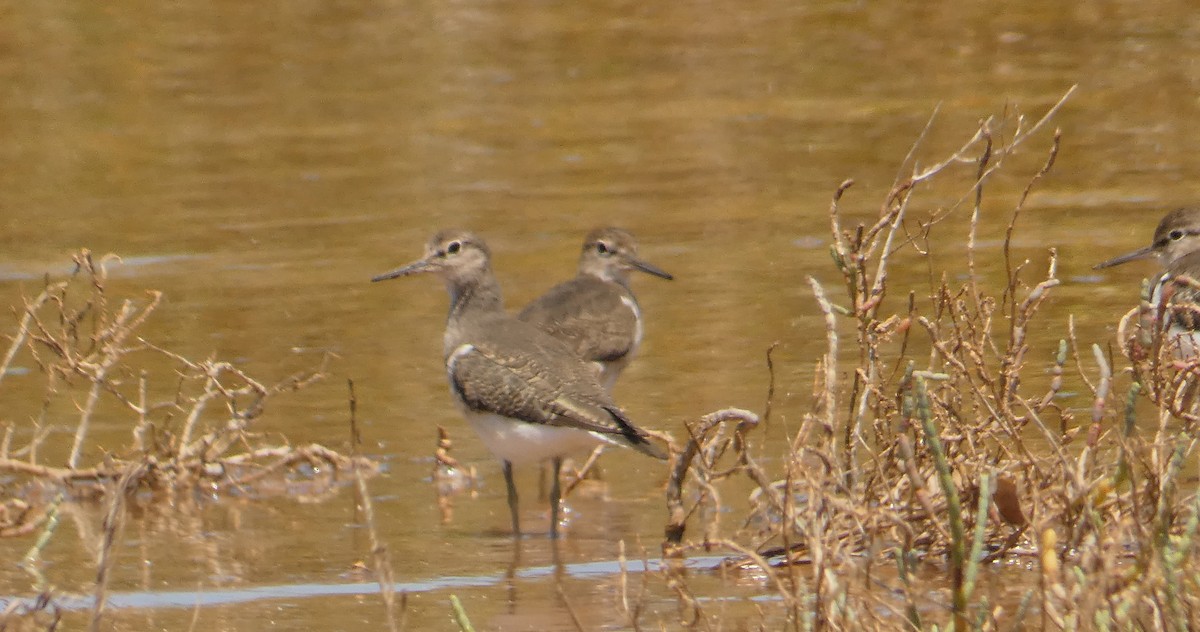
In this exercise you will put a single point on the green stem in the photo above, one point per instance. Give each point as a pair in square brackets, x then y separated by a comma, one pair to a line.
[460, 615]
[954, 508]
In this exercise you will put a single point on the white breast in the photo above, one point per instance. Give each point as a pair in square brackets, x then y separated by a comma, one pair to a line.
[1182, 342]
[637, 319]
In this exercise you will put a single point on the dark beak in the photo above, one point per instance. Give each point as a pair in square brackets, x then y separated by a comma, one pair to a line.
[1142, 253]
[416, 267]
[638, 264]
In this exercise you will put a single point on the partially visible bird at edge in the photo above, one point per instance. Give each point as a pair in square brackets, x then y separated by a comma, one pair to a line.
[1175, 291]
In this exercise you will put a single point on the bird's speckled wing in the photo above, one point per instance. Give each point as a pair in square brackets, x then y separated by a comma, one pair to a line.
[530, 385]
[541, 384]
[589, 315]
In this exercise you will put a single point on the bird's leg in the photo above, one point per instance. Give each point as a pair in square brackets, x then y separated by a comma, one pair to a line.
[512, 499]
[555, 496]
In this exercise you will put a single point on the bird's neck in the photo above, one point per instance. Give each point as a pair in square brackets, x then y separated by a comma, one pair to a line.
[478, 296]
[606, 275]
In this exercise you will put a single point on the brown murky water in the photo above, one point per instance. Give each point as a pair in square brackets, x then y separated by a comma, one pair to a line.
[258, 162]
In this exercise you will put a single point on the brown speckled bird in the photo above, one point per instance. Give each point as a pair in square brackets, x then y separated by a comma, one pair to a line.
[1176, 246]
[526, 394]
[596, 313]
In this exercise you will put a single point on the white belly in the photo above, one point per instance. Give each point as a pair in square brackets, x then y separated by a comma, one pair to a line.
[522, 442]
[1183, 343]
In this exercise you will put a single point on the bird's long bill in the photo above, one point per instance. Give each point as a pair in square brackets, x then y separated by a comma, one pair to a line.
[1136, 254]
[416, 267]
[649, 269]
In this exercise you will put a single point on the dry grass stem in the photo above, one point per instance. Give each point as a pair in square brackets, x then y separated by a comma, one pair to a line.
[381, 558]
[950, 440]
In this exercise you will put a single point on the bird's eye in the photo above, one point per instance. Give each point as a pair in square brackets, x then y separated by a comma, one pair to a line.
[1175, 235]
[602, 248]
[454, 247]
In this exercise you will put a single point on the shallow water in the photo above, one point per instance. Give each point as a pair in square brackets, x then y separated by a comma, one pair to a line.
[259, 162]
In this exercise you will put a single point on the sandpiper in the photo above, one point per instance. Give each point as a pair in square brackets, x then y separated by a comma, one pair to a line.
[524, 392]
[595, 313]
[1176, 246]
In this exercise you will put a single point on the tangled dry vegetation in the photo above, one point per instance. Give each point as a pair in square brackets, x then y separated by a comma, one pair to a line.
[197, 435]
[946, 451]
